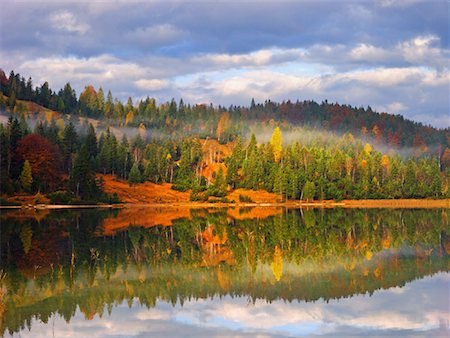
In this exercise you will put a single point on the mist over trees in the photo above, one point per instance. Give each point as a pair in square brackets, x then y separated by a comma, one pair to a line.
[63, 160]
[223, 123]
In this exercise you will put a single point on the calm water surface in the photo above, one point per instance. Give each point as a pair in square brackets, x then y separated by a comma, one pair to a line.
[265, 272]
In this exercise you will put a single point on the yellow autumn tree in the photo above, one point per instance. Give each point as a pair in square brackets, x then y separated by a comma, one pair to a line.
[348, 165]
[276, 141]
[142, 131]
[368, 148]
[277, 263]
[129, 117]
[385, 162]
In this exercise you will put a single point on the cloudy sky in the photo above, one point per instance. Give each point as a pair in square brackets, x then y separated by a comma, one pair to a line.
[391, 55]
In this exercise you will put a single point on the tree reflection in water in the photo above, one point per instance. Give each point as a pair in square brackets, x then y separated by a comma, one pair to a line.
[54, 262]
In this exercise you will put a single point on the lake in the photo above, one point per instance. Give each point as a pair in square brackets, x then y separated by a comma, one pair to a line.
[233, 272]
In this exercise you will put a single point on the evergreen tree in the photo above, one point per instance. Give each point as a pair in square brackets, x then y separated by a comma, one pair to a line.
[70, 143]
[219, 187]
[100, 101]
[82, 178]
[134, 177]
[234, 163]
[109, 105]
[12, 100]
[91, 142]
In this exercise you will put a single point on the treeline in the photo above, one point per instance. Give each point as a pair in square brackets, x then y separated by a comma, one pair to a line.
[345, 170]
[226, 124]
[59, 163]
[64, 162]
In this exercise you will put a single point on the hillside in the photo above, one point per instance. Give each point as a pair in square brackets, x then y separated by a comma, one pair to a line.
[174, 119]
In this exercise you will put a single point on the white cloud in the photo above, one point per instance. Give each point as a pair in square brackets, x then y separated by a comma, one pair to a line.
[152, 314]
[422, 50]
[153, 84]
[381, 77]
[396, 107]
[365, 52]
[396, 3]
[66, 21]
[259, 58]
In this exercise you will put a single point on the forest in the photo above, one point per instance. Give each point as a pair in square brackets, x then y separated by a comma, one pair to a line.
[300, 151]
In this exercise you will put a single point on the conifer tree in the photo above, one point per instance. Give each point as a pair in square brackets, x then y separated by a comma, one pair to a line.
[82, 178]
[134, 177]
[91, 142]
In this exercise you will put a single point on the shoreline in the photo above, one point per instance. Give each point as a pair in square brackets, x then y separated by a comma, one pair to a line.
[362, 204]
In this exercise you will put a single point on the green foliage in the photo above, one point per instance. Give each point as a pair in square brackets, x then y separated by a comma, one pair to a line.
[134, 177]
[82, 179]
[219, 187]
[309, 190]
[245, 199]
[60, 197]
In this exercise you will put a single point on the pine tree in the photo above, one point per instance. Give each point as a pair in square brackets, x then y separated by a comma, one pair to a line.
[219, 187]
[109, 105]
[134, 177]
[82, 178]
[100, 100]
[26, 178]
[234, 163]
[70, 141]
[91, 142]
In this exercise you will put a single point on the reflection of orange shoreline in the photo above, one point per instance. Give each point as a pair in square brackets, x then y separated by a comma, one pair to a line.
[165, 215]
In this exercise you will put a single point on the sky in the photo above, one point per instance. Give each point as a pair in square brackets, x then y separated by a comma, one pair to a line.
[391, 55]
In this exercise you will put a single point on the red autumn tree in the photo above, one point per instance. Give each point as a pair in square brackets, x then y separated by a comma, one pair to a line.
[445, 158]
[45, 160]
